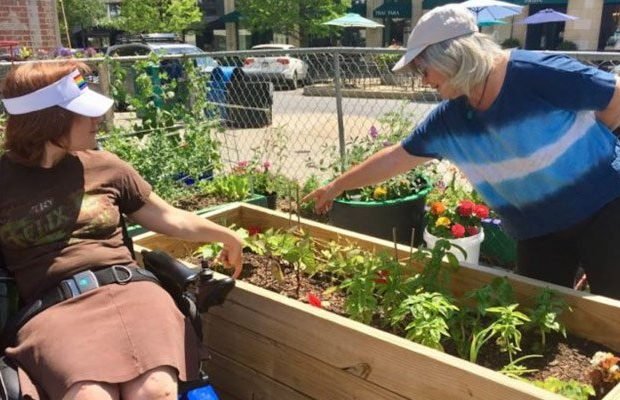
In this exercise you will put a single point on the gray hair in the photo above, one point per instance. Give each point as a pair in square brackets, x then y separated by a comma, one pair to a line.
[465, 60]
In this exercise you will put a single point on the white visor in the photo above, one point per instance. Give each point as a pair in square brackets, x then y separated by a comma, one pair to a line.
[70, 92]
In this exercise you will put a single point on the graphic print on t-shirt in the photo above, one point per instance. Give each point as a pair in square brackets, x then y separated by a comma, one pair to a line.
[73, 218]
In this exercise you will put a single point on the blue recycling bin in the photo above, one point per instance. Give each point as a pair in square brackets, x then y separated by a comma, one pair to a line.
[221, 77]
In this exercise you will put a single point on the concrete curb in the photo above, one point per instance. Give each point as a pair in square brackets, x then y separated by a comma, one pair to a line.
[370, 94]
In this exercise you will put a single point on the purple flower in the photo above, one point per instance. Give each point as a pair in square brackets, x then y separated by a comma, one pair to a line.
[373, 132]
[63, 52]
[266, 165]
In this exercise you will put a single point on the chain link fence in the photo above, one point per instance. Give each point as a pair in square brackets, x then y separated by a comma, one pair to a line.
[298, 108]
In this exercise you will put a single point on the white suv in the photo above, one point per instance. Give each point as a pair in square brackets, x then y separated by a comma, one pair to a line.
[278, 69]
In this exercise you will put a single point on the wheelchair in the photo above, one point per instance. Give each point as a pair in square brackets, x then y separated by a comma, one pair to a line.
[194, 291]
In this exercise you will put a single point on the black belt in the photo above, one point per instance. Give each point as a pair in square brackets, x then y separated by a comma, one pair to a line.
[74, 286]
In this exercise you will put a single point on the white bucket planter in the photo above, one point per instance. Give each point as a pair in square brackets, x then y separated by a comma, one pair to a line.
[470, 244]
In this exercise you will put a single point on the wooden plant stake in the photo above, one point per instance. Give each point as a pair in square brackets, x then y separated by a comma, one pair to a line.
[411, 247]
[297, 208]
[395, 245]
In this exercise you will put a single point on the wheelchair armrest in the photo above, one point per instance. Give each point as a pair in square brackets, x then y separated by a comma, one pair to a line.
[172, 273]
[177, 277]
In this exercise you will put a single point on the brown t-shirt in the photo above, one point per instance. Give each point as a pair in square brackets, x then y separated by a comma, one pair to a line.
[55, 222]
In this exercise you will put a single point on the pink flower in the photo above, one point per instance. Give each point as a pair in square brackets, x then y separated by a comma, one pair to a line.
[465, 208]
[243, 164]
[458, 230]
[373, 132]
[481, 211]
[314, 300]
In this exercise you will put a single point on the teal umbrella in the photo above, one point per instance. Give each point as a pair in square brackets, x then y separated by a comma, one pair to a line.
[352, 20]
[491, 22]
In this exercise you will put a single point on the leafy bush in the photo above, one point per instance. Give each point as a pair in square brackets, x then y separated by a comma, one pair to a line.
[510, 43]
[567, 45]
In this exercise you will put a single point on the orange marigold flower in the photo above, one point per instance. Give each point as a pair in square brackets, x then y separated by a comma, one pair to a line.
[438, 208]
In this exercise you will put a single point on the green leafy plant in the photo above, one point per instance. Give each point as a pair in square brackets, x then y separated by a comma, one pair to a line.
[228, 188]
[504, 328]
[175, 144]
[516, 370]
[544, 317]
[424, 317]
[571, 389]
[394, 127]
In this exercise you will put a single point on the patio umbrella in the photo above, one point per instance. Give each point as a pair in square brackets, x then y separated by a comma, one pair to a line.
[492, 9]
[491, 22]
[547, 15]
[352, 20]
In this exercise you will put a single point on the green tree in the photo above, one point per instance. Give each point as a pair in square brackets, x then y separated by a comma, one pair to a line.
[140, 16]
[297, 18]
[82, 14]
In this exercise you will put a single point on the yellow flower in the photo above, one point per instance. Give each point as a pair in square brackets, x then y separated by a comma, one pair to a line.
[380, 193]
[443, 221]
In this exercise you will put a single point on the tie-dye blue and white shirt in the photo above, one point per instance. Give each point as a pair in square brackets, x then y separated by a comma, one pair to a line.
[538, 156]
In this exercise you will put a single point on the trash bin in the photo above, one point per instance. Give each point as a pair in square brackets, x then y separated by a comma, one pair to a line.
[251, 103]
[238, 100]
[217, 95]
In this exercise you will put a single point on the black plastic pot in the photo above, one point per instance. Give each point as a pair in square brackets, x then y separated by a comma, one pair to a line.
[272, 199]
[378, 218]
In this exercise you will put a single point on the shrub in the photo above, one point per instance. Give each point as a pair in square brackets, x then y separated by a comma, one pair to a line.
[567, 45]
[510, 43]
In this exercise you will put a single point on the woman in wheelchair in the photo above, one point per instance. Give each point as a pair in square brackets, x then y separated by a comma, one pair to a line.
[98, 327]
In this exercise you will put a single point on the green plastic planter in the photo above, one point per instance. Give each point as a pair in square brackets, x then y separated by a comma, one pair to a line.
[498, 248]
[378, 218]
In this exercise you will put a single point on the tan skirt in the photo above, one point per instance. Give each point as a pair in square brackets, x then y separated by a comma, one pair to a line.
[112, 334]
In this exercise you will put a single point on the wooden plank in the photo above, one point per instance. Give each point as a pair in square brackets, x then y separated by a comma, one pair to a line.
[398, 365]
[234, 381]
[289, 366]
[614, 394]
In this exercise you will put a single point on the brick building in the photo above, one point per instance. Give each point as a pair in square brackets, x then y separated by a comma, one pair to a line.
[32, 23]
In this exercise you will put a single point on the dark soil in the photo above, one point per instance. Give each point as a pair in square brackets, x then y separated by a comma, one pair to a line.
[198, 202]
[563, 358]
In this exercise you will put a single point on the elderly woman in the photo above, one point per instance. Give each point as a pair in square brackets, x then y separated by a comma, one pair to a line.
[533, 133]
[108, 331]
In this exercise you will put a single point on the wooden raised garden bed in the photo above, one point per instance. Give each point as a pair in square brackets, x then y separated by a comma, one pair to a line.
[266, 346]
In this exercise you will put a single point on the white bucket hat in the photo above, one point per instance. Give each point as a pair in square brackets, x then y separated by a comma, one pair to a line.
[70, 92]
[439, 24]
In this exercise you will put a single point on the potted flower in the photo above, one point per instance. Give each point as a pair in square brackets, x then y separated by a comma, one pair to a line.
[449, 186]
[391, 208]
[460, 225]
[262, 180]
